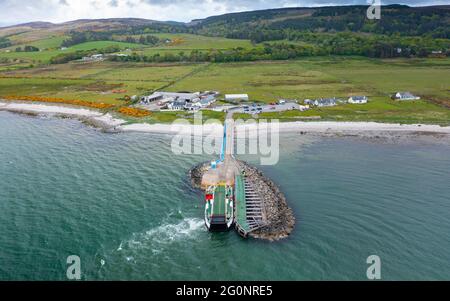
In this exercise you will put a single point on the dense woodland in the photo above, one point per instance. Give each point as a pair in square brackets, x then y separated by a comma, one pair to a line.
[118, 36]
[27, 49]
[279, 24]
[5, 42]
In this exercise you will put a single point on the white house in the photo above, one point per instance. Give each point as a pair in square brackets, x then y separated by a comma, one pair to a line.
[405, 96]
[236, 97]
[358, 99]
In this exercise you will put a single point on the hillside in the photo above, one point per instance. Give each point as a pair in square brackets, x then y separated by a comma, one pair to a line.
[275, 34]
[82, 24]
[396, 19]
[262, 25]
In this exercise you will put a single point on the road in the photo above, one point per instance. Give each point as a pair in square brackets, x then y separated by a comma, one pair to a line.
[253, 109]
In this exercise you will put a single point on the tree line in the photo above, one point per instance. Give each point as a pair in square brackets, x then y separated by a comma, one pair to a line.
[77, 37]
[286, 51]
[27, 49]
[5, 42]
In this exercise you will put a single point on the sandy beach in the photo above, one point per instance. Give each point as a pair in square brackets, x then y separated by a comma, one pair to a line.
[107, 121]
[307, 127]
[95, 118]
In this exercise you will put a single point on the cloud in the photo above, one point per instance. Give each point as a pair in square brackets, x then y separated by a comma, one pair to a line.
[14, 12]
[114, 3]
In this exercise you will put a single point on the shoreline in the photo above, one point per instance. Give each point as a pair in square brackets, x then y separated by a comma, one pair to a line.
[106, 121]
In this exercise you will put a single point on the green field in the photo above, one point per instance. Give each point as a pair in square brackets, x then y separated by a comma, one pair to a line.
[325, 77]
[190, 41]
[264, 82]
[50, 46]
[92, 81]
[44, 56]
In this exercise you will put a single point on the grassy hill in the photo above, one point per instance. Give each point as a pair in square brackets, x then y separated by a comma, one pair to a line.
[293, 53]
[396, 19]
[258, 35]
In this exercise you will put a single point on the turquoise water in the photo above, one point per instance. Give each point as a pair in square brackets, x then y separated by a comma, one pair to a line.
[125, 206]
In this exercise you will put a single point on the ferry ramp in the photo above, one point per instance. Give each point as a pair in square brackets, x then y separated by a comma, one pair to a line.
[248, 204]
[249, 207]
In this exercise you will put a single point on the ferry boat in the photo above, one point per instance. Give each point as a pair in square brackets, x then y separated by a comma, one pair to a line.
[219, 208]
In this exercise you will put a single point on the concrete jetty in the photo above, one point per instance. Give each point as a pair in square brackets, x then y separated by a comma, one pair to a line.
[227, 169]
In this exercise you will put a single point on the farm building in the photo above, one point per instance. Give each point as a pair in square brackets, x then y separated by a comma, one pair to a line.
[405, 96]
[236, 97]
[165, 97]
[151, 98]
[358, 99]
[181, 101]
[169, 96]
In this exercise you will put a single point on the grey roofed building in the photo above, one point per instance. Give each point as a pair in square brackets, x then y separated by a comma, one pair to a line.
[236, 97]
[154, 97]
[206, 101]
[180, 96]
[170, 96]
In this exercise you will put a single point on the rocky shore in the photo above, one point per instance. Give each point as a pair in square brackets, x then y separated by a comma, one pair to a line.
[280, 217]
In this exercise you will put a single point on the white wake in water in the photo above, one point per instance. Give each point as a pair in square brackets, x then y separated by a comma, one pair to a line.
[163, 235]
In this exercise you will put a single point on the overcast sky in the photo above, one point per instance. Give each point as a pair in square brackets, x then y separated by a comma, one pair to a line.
[22, 11]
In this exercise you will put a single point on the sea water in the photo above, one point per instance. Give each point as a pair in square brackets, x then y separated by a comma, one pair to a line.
[123, 203]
